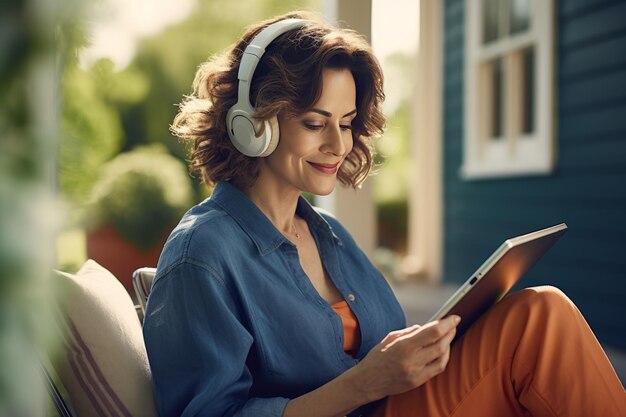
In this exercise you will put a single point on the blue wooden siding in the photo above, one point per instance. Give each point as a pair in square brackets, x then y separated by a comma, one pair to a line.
[588, 188]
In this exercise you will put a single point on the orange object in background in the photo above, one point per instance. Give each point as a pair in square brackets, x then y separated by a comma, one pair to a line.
[106, 246]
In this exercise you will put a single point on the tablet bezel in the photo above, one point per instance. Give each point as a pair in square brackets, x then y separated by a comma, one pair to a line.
[515, 257]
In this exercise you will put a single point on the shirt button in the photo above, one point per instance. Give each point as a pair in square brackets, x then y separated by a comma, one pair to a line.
[351, 297]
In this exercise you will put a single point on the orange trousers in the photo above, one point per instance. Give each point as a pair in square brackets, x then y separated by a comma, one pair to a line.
[532, 354]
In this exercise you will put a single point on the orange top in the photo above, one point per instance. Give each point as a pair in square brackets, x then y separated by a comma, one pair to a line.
[351, 331]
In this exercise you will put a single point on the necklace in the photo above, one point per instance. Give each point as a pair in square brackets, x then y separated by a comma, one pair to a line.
[295, 231]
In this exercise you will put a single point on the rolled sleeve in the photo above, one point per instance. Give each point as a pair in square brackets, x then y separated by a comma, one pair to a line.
[197, 347]
[263, 407]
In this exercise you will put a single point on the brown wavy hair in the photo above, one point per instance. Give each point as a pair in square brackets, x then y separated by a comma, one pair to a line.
[288, 80]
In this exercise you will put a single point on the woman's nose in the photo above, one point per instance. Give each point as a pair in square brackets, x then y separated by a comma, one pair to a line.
[334, 141]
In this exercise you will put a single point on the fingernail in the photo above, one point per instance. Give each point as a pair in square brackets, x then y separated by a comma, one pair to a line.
[457, 319]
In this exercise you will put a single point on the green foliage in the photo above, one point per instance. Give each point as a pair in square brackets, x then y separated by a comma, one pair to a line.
[28, 209]
[106, 111]
[392, 181]
[143, 193]
[91, 122]
[391, 185]
[392, 224]
[170, 59]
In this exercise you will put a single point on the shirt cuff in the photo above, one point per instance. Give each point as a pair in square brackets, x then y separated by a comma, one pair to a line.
[263, 407]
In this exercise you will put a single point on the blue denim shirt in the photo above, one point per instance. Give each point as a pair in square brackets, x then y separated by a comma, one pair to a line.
[234, 326]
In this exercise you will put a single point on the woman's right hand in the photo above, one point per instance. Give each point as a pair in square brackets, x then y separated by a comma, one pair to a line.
[405, 359]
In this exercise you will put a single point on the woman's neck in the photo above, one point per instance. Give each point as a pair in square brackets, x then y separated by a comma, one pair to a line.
[277, 202]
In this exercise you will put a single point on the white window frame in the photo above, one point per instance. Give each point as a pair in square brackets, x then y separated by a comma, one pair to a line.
[515, 154]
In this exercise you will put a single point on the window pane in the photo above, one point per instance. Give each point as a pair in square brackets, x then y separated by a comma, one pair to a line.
[528, 90]
[519, 16]
[491, 20]
[497, 98]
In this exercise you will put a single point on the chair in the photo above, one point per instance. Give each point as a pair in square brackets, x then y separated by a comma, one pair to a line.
[106, 368]
[55, 395]
[142, 283]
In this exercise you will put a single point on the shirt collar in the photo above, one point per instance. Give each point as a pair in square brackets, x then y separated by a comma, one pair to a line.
[256, 224]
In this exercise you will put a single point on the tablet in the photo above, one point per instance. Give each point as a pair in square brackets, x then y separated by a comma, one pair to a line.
[497, 275]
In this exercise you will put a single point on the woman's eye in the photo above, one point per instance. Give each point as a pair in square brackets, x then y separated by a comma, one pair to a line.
[312, 126]
[345, 127]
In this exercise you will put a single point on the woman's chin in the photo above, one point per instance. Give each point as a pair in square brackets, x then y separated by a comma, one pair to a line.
[322, 190]
[324, 193]
[325, 189]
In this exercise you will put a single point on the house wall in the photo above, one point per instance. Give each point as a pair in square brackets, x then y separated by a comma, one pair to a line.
[587, 189]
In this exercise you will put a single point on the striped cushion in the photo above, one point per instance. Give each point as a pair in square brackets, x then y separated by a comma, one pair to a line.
[105, 367]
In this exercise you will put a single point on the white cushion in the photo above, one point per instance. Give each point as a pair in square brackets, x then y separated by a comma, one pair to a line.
[105, 367]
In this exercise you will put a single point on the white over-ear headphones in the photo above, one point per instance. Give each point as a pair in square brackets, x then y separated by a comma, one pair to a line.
[246, 133]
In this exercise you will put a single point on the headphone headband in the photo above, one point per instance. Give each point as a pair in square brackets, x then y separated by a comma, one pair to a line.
[255, 50]
[246, 133]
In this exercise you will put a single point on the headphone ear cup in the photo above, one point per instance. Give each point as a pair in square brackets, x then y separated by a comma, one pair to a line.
[272, 134]
[242, 130]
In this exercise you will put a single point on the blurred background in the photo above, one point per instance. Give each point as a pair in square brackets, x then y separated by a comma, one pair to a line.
[504, 116]
[131, 65]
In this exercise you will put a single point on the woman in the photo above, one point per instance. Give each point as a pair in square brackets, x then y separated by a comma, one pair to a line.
[265, 306]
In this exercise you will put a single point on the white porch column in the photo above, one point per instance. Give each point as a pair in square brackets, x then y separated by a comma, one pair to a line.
[354, 209]
[425, 196]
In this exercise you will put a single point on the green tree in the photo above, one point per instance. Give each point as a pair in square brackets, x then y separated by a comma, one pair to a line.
[392, 182]
[106, 112]
[28, 210]
[91, 121]
[170, 60]
[391, 185]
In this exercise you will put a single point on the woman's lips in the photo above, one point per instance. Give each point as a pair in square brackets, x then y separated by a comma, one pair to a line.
[325, 168]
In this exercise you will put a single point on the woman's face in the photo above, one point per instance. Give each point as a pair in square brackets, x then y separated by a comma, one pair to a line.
[313, 145]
